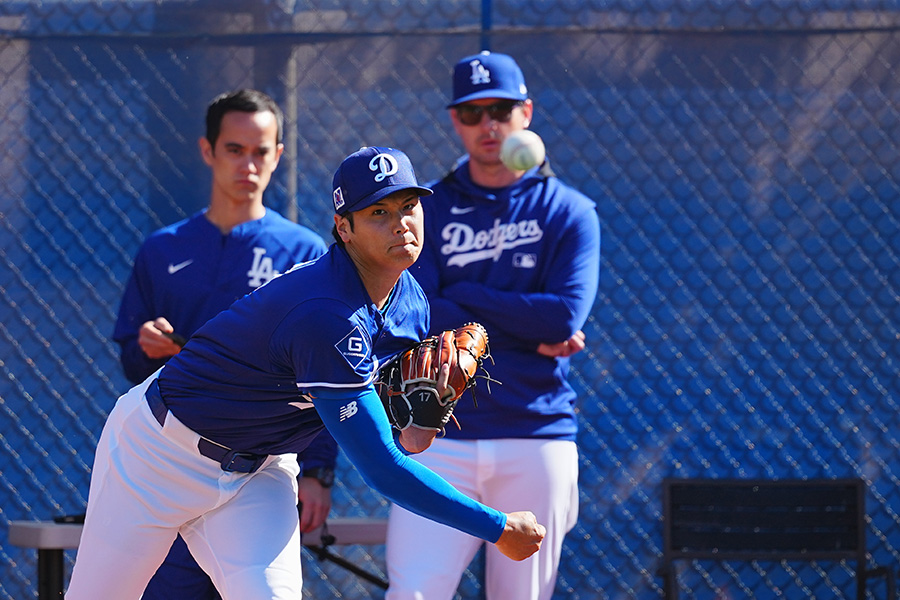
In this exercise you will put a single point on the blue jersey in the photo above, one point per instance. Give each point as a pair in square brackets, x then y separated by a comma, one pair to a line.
[248, 378]
[189, 272]
[524, 261]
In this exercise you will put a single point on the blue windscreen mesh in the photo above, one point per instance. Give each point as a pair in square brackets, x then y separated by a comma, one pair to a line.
[744, 161]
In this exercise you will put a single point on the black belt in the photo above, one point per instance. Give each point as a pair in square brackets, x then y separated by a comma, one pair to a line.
[230, 460]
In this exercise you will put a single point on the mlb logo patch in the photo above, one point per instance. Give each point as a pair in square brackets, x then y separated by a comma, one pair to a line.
[338, 199]
[354, 347]
[524, 260]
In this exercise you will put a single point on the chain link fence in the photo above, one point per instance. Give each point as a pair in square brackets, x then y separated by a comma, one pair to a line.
[743, 156]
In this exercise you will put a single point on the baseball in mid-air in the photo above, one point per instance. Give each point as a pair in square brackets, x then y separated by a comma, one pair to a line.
[522, 150]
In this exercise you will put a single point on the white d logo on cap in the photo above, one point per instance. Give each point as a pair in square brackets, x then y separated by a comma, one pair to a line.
[385, 164]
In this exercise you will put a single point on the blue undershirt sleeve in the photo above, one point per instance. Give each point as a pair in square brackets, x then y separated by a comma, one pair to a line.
[134, 312]
[357, 421]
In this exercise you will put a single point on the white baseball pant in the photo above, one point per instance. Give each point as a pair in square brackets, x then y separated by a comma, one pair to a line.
[149, 483]
[425, 560]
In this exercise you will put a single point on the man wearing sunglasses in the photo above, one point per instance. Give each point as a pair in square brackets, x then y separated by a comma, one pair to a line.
[519, 252]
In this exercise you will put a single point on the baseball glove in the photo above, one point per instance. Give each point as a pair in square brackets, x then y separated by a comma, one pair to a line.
[409, 386]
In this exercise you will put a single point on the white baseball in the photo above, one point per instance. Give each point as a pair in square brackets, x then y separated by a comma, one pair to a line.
[522, 150]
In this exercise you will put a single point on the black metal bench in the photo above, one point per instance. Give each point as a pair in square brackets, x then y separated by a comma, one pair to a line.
[773, 520]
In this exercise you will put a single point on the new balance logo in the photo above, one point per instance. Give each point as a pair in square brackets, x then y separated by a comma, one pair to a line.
[348, 410]
[175, 268]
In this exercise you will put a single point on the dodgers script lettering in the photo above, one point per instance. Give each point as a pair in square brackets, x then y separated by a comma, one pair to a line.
[468, 246]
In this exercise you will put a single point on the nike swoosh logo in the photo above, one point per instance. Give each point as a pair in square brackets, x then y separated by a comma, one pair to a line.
[175, 268]
[302, 405]
[460, 210]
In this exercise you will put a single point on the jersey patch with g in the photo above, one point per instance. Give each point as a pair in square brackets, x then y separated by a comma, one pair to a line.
[354, 347]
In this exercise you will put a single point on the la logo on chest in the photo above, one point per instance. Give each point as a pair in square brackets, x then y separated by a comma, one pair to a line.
[262, 270]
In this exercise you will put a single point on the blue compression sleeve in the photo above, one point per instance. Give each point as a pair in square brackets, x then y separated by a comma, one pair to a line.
[357, 421]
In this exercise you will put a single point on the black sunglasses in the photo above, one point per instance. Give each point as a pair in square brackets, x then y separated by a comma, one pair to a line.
[470, 114]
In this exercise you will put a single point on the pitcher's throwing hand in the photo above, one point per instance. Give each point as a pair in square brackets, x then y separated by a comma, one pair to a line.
[522, 535]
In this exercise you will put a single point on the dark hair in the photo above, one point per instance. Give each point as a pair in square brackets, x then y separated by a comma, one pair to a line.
[336, 235]
[245, 100]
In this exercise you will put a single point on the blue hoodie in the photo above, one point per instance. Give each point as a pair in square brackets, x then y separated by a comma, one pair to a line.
[524, 261]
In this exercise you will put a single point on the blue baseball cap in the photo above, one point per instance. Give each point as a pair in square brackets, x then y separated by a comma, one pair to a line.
[487, 75]
[370, 174]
